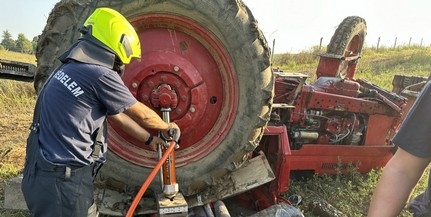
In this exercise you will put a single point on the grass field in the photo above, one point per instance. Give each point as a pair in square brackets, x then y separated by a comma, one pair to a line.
[348, 193]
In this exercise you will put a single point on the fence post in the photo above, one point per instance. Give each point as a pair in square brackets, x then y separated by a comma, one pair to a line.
[320, 44]
[410, 40]
[395, 43]
[378, 43]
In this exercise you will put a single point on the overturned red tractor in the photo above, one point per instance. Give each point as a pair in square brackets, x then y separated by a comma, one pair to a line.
[332, 125]
[243, 126]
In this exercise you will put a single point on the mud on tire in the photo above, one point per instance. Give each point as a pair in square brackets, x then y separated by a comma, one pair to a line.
[349, 36]
[348, 39]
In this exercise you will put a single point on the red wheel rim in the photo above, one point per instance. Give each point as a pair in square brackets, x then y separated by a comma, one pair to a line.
[355, 46]
[181, 53]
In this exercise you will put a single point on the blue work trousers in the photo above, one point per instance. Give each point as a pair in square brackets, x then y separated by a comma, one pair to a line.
[58, 191]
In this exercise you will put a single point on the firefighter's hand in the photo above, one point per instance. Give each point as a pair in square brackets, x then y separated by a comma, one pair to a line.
[172, 133]
[155, 142]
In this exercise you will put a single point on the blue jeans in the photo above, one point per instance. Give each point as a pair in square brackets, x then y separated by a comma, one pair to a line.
[420, 205]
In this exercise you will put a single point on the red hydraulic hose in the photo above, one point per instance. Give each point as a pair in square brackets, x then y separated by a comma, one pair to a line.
[149, 180]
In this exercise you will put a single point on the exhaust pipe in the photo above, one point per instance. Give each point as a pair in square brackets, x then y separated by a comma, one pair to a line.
[220, 209]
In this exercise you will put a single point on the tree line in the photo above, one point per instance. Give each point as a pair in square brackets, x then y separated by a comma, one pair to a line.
[21, 44]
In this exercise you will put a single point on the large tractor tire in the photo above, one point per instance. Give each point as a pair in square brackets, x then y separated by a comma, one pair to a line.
[348, 39]
[214, 57]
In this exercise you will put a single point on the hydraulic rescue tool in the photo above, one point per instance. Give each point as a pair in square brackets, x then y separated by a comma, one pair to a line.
[170, 202]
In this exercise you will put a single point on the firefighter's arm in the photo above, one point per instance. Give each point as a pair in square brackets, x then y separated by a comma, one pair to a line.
[399, 177]
[133, 129]
[148, 118]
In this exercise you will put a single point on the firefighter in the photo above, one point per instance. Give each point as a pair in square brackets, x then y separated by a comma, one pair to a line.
[67, 144]
[406, 167]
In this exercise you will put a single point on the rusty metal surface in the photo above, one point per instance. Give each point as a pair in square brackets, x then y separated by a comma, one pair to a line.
[115, 202]
[17, 68]
[172, 207]
[255, 172]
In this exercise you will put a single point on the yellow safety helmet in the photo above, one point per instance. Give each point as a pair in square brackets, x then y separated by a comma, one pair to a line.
[113, 30]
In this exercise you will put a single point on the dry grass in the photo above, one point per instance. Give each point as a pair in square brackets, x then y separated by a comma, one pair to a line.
[20, 57]
[17, 101]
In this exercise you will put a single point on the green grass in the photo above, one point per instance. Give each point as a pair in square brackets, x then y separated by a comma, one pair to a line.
[347, 193]
[377, 66]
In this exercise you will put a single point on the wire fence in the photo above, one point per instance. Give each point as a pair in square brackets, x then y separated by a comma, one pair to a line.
[390, 43]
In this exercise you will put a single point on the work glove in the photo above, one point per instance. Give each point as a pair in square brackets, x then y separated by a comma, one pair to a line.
[173, 133]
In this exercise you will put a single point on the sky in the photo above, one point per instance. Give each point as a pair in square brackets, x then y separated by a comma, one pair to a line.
[295, 25]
